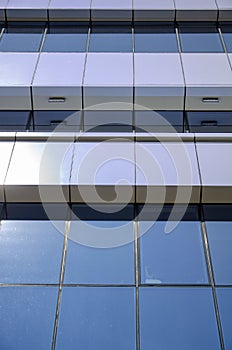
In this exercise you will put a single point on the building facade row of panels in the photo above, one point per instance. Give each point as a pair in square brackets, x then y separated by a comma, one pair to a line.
[115, 81]
[122, 10]
[116, 170]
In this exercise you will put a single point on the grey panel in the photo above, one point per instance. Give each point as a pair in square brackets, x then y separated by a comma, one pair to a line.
[108, 81]
[159, 82]
[115, 10]
[3, 4]
[216, 171]
[73, 10]
[208, 87]
[103, 172]
[167, 172]
[197, 10]
[109, 121]
[154, 10]
[27, 10]
[39, 172]
[5, 154]
[225, 10]
[16, 72]
[57, 82]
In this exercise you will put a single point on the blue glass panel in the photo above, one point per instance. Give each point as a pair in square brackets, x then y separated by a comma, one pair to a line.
[105, 255]
[14, 120]
[175, 257]
[66, 38]
[59, 121]
[110, 38]
[27, 317]
[220, 244]
[200, 38]
[97, 318]
[210, 121]
[217, 212]
[156, 38]
[224, 298]
[30, 251]
[227, 36]
[22, 38]
[177, 318]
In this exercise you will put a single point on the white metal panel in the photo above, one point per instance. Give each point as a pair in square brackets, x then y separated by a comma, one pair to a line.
[108, 81]
[167, 172]
[58, 80]
[16, 72]
[103, 172]
[216, 171]
[39, 172]
[208, 80]
[159, 82]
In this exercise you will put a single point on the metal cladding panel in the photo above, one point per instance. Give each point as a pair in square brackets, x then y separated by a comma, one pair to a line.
[6, 149]
[225, 10]
[61, 10]
[167, 172]
[27, 10]
[216, 171]
[58, 80]
[159, 82]
[103, 172]
[16, 72]
[196, 10]
[154, 10]
[39, 172]
[108, 81]
[208, 81]
[114, 10]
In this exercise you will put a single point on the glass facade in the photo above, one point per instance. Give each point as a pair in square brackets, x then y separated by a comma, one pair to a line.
[116, 174]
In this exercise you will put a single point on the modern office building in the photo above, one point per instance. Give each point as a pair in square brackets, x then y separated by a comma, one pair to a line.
[116, 174]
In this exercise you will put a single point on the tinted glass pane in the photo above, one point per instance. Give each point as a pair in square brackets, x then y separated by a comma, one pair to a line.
[175, 257]
[224, 298]
[175, 318]
[199, 38]
[27, 317]
[22, 38]
[97, 318]
[105, 255]
[108, 121]
[14, 120]
[220, 244]
[66, 38]
[58, 121]
[157, 38]
[110, 39]
[159, 121]
[30, 251]
[210, 121]
[227, 36]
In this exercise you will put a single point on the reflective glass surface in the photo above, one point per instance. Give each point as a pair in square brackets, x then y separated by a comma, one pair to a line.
[227, 35]
[209, 121]
[27, 317]
[176, 257]
[196, 37]
[100, 252]
[177, 318]
[97, 318]
[220, 244]
[30, 251]
[15, 121]
[66, 38]
[110, 38]
[156, 38]
[19, 37]
[224, 298]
